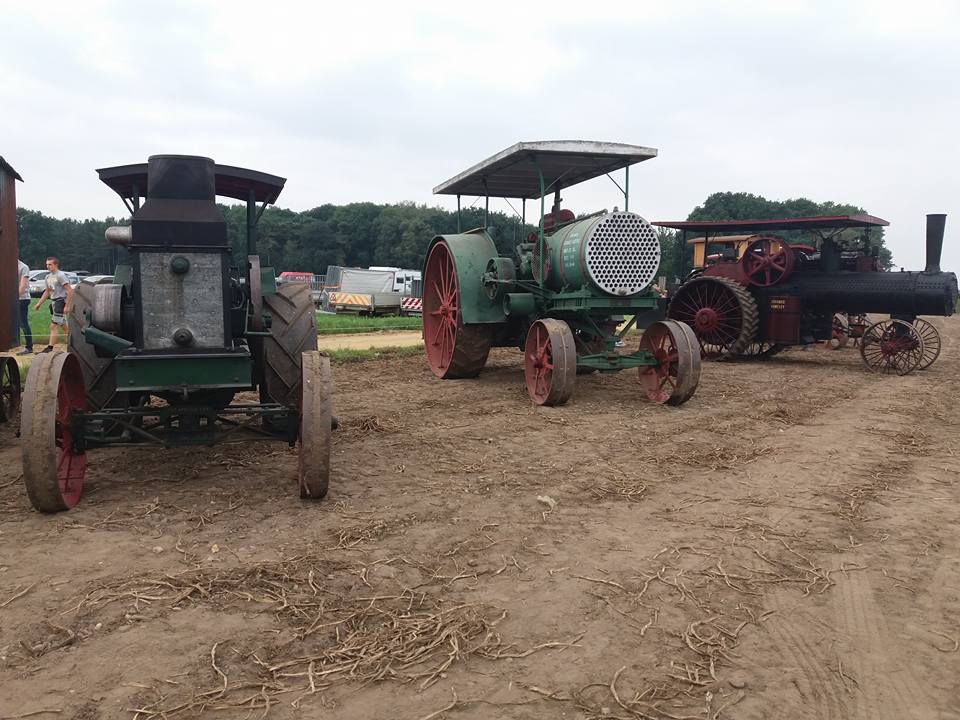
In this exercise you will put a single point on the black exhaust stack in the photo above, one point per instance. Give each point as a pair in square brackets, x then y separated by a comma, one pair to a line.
[935, 226]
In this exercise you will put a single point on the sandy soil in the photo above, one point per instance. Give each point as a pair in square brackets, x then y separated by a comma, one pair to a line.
[364, 341]
[785, 545]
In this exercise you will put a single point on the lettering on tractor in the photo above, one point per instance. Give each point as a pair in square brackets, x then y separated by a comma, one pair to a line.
[157, 357]
[759, 294]
[562, 296]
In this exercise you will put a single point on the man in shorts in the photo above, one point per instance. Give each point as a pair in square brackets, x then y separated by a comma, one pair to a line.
[23, 272]
[61, 299]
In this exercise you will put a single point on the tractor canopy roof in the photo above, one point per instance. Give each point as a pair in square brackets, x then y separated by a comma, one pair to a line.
[816, 222]
[130, 181]
[517, 171]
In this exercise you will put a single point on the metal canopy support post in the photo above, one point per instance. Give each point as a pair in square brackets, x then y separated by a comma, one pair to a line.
[252, 223]
[486, 206]
[540, 236]
[626, 189]
[458, 214]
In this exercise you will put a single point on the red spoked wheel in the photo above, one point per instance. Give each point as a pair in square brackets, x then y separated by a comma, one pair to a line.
[550, 362]
[53, 466]
[892, 346]
[721, 312]
[765, 266]
[675, 377]
[453, 350]
[931, 342]
[9, 389]
[316, 425]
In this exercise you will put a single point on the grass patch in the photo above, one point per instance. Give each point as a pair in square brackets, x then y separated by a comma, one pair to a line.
[336, 324]
[349, 355]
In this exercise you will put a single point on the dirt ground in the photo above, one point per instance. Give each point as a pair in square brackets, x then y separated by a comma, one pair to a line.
[787, 544]
[364, 341]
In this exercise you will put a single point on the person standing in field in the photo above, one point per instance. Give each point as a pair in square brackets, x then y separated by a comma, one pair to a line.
[23, 272]
[61, 299]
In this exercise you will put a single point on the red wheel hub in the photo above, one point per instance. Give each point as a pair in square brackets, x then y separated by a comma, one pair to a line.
[706, 319]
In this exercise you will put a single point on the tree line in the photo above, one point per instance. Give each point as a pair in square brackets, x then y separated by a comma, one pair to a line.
[363, 234]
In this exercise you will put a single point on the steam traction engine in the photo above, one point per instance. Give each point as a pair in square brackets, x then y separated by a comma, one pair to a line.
[562, 296]
[772, 294]
[157, 357]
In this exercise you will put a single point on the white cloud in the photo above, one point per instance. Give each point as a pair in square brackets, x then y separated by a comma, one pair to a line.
[852, 102]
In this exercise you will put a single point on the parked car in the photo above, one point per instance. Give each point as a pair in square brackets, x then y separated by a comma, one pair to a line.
[97, 279]
[38, 281]
[82, 273]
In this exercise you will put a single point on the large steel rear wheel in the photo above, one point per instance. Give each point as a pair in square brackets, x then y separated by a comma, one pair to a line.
[453, 350]
[931, 342]
[720, 311]
[53, 468]
[9, 389]
[293, 332]
[892, 347]
[550, 362]
[674, 379]
[315, 434]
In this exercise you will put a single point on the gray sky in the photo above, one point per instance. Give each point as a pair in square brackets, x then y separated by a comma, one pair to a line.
[847, 101]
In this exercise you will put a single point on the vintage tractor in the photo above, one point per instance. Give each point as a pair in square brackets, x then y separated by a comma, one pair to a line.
[562, 296]
[760, 294]
[158, 356]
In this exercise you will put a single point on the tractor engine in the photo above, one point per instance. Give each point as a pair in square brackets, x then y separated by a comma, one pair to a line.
[172, 323]
[179, 250]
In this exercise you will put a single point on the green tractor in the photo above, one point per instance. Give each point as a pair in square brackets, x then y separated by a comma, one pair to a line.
[158, 356]
[562, 297]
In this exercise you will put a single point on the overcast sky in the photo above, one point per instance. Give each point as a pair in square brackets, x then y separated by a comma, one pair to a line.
[853, 102]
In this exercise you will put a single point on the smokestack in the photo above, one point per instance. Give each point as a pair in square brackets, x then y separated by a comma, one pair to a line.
[935, 225]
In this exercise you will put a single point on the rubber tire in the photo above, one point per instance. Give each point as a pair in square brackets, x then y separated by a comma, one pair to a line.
[293, 332]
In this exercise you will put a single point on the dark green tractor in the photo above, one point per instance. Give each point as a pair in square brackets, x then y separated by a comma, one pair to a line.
[186, 347]
[563, 295]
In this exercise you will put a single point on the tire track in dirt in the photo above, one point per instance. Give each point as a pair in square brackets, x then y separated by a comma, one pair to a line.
[889, 691]
[815, 683]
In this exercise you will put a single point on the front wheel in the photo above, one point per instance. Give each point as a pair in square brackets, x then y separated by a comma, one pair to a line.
[892, 347]
[674, 379]
[550, 362]
[316, 418]
[53, 466]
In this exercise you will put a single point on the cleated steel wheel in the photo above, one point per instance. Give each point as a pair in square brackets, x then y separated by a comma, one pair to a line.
[892, 347]
[315, 435]
[720, 311]
[53, 468]
[931, 342]
[675, 377]
[9, 389]
[453, 350]
[550, 362]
